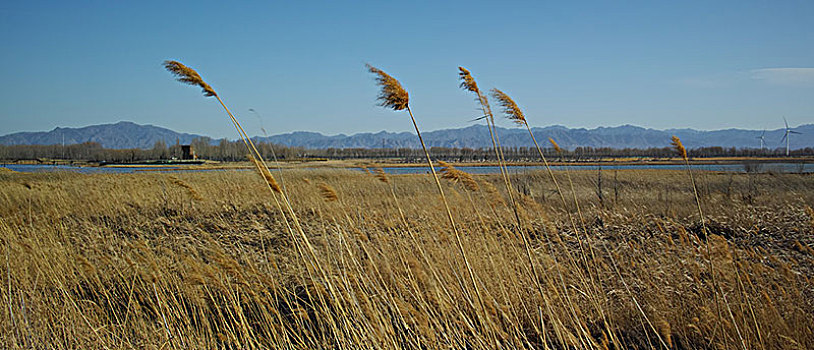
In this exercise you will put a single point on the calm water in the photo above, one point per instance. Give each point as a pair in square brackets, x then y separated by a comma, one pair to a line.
[765, 167]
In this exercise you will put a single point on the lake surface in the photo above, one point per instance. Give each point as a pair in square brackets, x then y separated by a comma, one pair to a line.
[519, 169]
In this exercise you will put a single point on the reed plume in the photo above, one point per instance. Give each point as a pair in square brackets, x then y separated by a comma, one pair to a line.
[555, 145]
[393, 94]
[456, 175]
[327, 192]
[515, 114]
[264, 170]
[467, 81]
[192, 193]
[381, 175]
[189, 76]
[510, 108]
[682, 151]
[493, 193]
[679, 147]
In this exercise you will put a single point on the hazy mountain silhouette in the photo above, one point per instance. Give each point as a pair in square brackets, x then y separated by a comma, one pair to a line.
[131, 135]
[120, 135]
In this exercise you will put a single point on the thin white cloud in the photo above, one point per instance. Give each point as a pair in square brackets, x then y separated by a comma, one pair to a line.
[784, 76]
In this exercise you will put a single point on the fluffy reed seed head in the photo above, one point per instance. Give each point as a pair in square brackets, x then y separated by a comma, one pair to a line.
[454, 174]
[467, 81]
[189, 76]
[392, 95]
[192, 193]
[555, 145]
[679, 147]
[327, 192]
[510, 108]
[665, 331]
[381, 175]
[264, 171]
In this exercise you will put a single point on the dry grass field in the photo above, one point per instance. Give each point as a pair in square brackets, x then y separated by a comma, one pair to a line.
[212, 260]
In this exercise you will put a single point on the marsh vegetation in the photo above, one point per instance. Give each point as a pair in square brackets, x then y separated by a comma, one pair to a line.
[205, 260]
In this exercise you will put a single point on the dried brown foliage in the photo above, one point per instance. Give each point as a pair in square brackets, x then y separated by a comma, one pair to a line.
[133, 267]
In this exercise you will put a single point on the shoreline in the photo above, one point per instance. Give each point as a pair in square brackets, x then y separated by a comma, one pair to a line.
[376, 163]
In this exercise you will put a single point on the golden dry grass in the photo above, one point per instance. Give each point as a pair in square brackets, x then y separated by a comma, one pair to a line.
[136, 261]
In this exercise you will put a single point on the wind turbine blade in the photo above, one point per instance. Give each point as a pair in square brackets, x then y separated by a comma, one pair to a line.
[479, 118]
[787, 123]
[784, 137]
[794, 132]
[763, 133]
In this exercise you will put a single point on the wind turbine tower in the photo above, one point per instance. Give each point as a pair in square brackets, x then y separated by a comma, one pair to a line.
[762, 139]
[786, 135]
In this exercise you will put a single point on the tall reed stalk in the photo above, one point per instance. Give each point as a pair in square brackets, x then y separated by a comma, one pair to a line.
[468, 83]
[513, 112]
[394, 96]
[189, 76]
[682, 152]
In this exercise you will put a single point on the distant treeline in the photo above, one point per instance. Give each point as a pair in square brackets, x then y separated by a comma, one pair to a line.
[225, 150]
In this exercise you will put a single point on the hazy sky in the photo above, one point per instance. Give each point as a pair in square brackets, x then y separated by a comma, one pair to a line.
[300, 64]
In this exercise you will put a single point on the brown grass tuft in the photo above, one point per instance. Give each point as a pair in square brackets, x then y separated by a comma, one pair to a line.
[679, 147]
[392, 95]
[327, 192]
[510, 108]
[189, 76]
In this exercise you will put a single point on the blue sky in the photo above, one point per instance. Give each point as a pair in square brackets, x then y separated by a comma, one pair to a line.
[300, 64]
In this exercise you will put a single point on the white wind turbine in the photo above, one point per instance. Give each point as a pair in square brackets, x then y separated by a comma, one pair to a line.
[786, 135]
[762, 139]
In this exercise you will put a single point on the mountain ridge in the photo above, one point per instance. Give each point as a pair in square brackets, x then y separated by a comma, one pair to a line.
[126, 134]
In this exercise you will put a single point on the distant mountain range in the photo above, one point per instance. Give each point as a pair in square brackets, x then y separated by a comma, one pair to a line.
[131, 135]
[119, 135]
